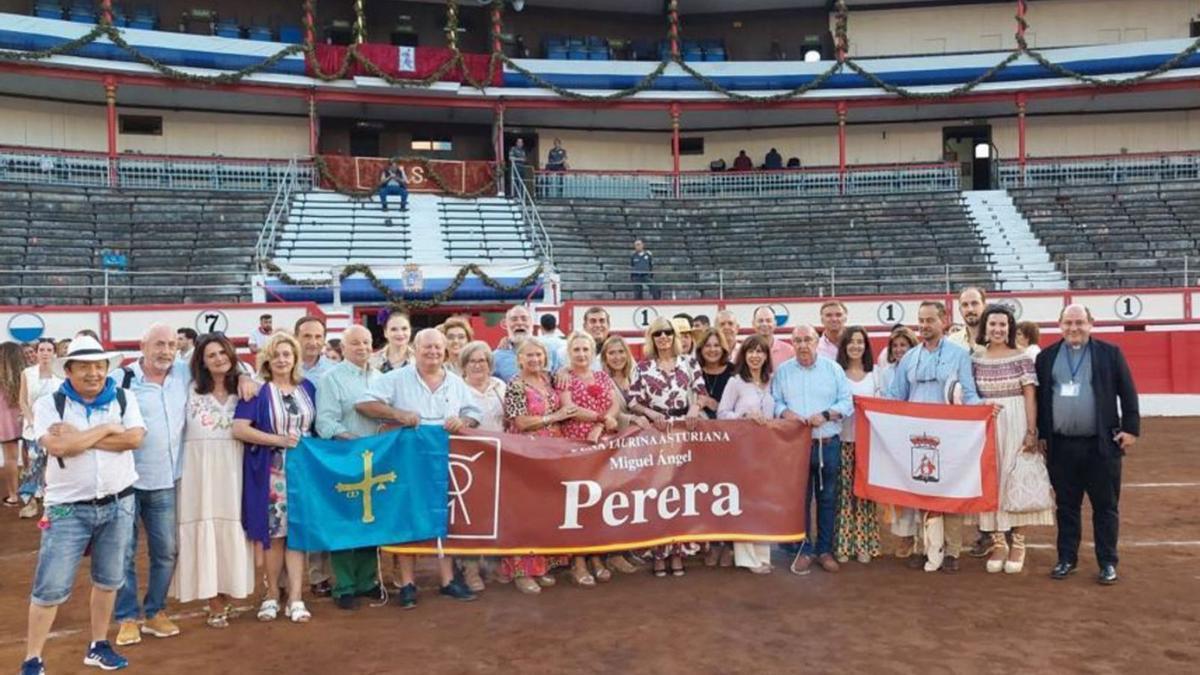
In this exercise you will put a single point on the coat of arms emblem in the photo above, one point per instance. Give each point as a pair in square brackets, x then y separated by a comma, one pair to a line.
[413, 279]
[926, 458]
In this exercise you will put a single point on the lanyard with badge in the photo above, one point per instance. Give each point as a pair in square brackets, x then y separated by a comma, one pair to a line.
[1071, 389]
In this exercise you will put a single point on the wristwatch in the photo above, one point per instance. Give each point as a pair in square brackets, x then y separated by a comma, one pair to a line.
[826, 415]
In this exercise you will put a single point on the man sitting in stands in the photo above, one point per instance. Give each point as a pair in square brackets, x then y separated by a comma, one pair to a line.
[742, 162]
[393, 182]
[774, 160]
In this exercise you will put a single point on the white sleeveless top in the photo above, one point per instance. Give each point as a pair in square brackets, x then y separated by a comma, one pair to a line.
[37, 387]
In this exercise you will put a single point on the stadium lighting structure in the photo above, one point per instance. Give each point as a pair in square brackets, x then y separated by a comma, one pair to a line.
[812, 56]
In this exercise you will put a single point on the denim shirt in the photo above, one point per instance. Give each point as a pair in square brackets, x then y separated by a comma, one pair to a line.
[159, 459]
[923, 376]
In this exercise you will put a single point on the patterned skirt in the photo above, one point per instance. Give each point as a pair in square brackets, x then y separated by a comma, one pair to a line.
[857, 531]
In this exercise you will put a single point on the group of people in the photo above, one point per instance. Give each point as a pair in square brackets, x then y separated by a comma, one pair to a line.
[187, 445]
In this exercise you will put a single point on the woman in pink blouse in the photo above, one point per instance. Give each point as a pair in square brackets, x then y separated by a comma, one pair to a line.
[667, 386]
[748, 396]
[592, 392]
[533, 406]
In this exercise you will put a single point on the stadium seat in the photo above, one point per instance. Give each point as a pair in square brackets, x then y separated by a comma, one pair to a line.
[229, 28]
[82, 11]
[48, 9]
[260, 34]
[145, 18]
[292, 35]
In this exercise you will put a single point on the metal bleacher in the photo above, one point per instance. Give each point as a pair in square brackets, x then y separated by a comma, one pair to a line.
[327, 229]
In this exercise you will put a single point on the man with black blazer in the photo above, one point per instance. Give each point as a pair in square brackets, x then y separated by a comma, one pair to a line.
[1085, 435]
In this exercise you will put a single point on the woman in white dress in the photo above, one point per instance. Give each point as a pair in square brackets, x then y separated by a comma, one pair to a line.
[216, 560]
[36, 381]
[1004, 375]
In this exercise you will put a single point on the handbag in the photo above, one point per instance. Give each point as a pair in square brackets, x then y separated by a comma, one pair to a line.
[1028, 487]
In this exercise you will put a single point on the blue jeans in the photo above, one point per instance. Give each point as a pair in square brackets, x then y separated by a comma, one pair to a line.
[156, 510]
[387, 190]
[825, 490]
[107, 529]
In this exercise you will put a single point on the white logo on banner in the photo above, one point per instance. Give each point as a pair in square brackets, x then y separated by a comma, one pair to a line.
[936, 458]
[408, 59]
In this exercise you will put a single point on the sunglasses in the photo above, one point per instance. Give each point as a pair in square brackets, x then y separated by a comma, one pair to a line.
[289, 402]
[662, 333]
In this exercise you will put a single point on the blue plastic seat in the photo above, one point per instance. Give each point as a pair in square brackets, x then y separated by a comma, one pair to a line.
[229, 28]
[260, 33]
[44, 9]
[82, 12]
[557, 53]
[598, 54]
[714, 54]
[292, 35]
[693, 55]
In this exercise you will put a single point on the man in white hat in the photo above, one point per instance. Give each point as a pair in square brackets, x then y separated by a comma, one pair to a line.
[88, 428]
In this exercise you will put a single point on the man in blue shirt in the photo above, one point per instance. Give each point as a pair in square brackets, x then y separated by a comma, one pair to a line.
[815, 391]
[519, 325]
[937, 371]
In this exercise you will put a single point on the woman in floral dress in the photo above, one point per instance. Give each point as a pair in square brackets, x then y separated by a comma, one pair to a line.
[667, 386]
[216, 561]
[593, 393]
[532, 406]
[857, 533]
[270, 424]
[1004, 375]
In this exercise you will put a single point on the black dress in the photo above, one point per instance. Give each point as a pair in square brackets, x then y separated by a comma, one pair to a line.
[714, 386]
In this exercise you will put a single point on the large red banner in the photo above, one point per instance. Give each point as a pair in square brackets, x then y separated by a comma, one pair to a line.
[719, 481]
[412, 63]
[362, 173]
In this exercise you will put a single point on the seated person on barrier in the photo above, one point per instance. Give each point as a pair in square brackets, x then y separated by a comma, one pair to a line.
[393, 182]
[773, 160]
[742, 162]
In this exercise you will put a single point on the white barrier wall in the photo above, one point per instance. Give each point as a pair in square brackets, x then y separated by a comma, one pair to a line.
[124, 326]
[880, 312]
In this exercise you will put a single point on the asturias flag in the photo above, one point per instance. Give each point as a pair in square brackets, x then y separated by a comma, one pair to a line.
[385, 489]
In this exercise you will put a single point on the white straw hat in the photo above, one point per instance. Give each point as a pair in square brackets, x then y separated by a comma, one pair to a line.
[85, 348]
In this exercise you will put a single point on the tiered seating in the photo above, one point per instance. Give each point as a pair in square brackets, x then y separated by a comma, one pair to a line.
[1110, 236]
[484, 229]
[330, 229]
[46, 230]
[876, 244]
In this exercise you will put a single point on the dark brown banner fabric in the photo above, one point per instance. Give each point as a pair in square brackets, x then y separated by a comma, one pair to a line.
[719, 481]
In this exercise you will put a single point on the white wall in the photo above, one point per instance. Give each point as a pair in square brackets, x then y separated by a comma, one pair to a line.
[66, 126]
[899, 142]
[1053, 23]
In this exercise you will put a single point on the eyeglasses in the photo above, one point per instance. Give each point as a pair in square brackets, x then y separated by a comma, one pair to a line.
[662, 333]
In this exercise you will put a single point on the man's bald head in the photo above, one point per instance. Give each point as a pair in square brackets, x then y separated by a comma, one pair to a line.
[1075, 322]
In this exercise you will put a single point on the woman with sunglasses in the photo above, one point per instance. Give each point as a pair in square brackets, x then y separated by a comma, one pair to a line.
[667, 386]
[270, 424]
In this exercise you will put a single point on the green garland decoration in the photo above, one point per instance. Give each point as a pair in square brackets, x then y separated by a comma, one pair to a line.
[323, 169]
[104, 29]
[397, 300]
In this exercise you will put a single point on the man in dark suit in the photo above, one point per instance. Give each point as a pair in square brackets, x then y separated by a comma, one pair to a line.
[1085, 435]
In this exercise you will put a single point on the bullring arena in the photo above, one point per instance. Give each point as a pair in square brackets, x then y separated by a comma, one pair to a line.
[206, 164]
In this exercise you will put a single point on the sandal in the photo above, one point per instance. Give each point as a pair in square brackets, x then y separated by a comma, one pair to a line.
[1012, 566]
[599, 571]
[998, 554]
[268, 610]
[11, 502]
[582, 578]
[298, 613]
[217, 620]
[527, 586]
[546, 581]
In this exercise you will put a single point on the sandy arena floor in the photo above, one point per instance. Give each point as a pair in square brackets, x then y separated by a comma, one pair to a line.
[877, 618]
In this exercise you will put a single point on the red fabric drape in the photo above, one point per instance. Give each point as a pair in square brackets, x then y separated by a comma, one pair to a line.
[387, 59]
[362, 173]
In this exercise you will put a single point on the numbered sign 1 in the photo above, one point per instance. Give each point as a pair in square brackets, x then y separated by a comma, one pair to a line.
[1128, 307]
[643, 316]
[890, 312]
[212, 321]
